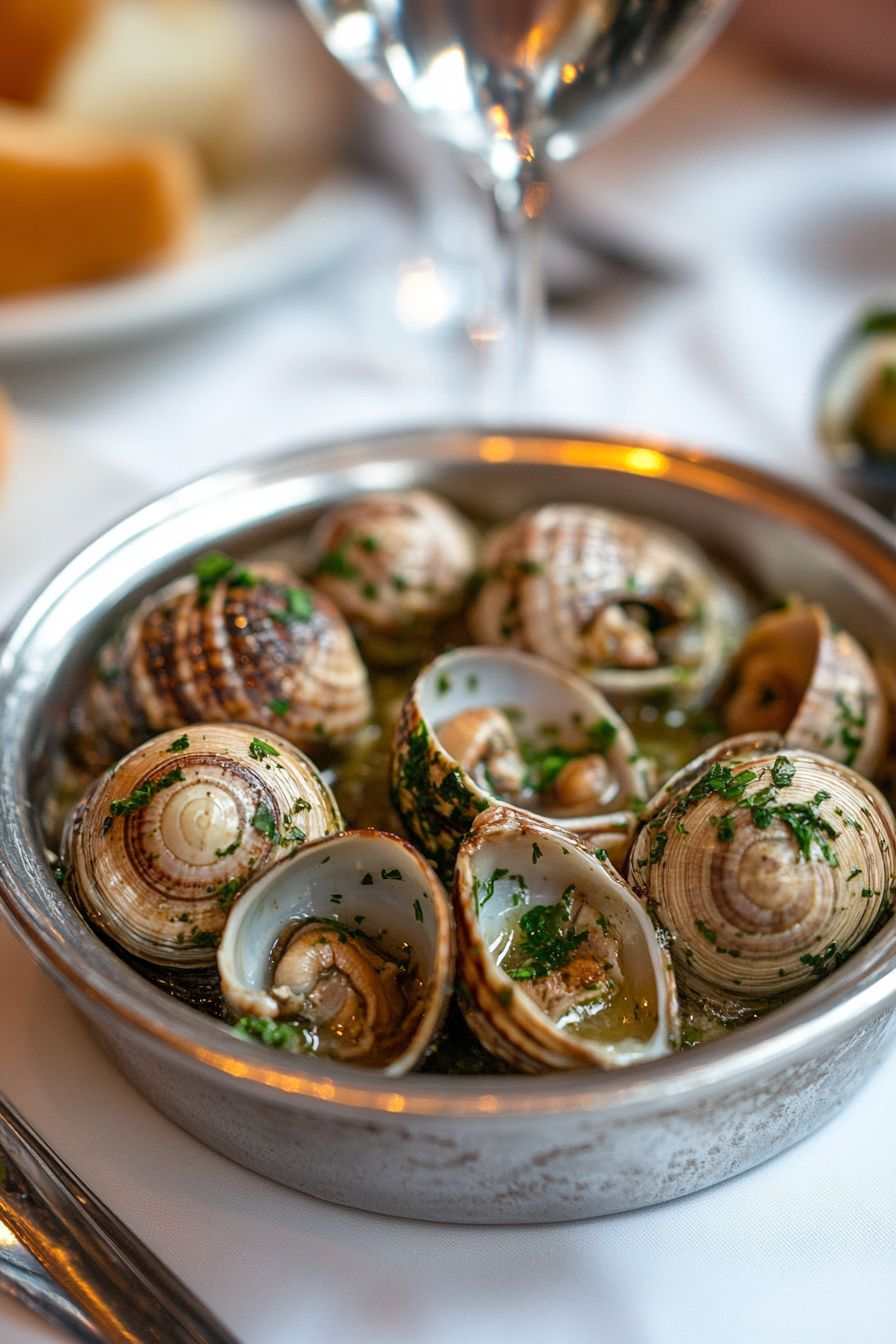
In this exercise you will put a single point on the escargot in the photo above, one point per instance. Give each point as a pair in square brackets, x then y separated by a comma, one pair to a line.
[767, 865]
[560, 966]
[797, 675]
[229, 643]
[483, 725]
[396, 563]
[160, 846]
[351, 943]
[632, 606]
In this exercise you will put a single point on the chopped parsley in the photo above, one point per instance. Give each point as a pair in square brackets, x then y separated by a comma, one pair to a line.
[418, 912]
[783, 772]
[706, 932]
[602, 735]
[179, 744]
[280, 1035]
[258, 749]
[144, 793]
[265, 822]
[546, 945]
[337, 563]
[209, 570]
[279, 707]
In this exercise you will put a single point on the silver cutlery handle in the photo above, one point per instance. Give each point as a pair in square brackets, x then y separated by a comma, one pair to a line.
[119, 1283]
[24, 1281]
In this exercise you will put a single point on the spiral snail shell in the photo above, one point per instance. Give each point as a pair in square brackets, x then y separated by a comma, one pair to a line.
[797, 675]
[159, 847]
[631, 605]
[395, 563]
[229, 643]
[768, 865]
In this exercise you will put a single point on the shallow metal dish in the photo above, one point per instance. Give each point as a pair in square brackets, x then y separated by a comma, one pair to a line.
[465, 1149]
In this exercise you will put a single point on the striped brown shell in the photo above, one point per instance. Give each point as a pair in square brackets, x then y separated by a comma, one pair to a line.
[768, 865]
[798, 675]
[254, 645]
[160, 846]
[396, 563]
[633, 606]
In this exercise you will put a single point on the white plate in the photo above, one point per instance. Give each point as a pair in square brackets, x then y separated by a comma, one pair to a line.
[266, 233]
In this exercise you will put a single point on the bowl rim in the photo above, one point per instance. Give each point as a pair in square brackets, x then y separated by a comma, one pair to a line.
[100, 981]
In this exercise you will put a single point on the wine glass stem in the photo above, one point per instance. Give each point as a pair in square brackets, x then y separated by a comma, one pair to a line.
[518, 205]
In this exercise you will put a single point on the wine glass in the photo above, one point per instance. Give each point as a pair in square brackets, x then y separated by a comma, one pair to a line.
[513, 85]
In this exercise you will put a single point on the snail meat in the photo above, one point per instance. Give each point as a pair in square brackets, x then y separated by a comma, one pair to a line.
[351, 943]
[484, 725]
[561, 966]
[631, 605]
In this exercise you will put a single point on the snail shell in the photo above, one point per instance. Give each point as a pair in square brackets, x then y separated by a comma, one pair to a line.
[769, 865]
[253, 645]
[856, 412]
[159, 847]
[608, 999]
[533, 716]
[395, 563]
[631, 605]
[798, 676]
[353, 938]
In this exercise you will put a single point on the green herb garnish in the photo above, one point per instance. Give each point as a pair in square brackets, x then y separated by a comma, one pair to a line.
[143, 794]
[265, 822]
[258, 749]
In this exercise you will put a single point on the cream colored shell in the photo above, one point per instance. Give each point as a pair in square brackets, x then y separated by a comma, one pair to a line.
[630, 604]
[360, 881]
[510, 862]
[396, 563]
[797, 675]
[159, 847]
[767, 864]
[255, 647]
[438, 799]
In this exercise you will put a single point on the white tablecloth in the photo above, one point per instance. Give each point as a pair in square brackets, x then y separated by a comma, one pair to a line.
[784, 201]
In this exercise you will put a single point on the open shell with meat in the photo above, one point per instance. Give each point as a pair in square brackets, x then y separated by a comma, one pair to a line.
[633, 606]
[352, 942]
[561, 966]
[768, 866]
[159, 847]
[798, 675]
[482, 726]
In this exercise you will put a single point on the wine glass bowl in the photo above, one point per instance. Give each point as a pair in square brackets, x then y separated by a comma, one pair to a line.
[513, 85]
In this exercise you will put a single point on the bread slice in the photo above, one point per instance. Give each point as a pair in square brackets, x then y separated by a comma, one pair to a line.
[180, 67]
[35, 38]
[79, 206]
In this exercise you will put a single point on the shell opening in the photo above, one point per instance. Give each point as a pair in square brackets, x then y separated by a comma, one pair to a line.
[353, 1000]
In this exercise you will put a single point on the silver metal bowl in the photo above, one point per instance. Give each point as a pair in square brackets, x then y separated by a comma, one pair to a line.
[478, 1150]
